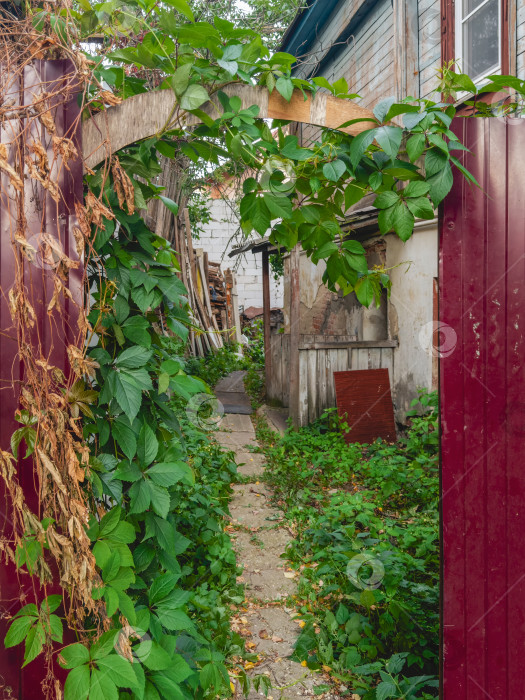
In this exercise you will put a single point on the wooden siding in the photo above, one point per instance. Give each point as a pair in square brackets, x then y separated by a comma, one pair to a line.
[520, 37]
[429, 45]
[368, 60]
[367, 66]
[316, 368]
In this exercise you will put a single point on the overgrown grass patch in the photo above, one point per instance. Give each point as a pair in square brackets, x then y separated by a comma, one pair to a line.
[367, 552]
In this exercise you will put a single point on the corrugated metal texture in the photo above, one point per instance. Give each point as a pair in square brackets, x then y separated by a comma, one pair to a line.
[52, 332]
[482, 282]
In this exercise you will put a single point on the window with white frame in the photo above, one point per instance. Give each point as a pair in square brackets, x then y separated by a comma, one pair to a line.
[478, 37]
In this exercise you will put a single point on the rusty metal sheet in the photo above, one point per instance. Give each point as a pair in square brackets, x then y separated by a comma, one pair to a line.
[482, 382]
[364, 401]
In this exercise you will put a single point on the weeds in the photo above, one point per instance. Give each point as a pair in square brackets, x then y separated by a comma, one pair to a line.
[366, 518]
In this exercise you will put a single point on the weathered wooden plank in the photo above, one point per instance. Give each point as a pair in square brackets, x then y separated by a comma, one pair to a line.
[362, 359]
[374, 358]
[302, 418]
[336, 345]
[322, 390]
[313, 394]
[285, 376]
[406, 58]
[330, 389]
[141, 116]
[387, 362]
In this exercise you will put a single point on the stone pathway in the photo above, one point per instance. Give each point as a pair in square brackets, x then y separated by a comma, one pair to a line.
[260, 537]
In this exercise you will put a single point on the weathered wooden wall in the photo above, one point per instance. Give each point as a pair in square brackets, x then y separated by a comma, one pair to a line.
[319, 357]
[393, 47]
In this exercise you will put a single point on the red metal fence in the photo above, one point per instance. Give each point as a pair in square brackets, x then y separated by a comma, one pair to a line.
[482, 380]
[52, 333]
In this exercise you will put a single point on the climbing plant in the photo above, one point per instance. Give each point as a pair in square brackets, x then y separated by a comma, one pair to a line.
[137, 536]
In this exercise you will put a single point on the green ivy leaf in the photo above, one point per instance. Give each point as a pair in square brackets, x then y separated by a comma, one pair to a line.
[386, 689]
[77, 684]
[135, 328]
[386, 199]
[179, 82]
[170, 204]
[102, 686]
[415, 146]
[364, 290]
[359, 145]
[421, 208]
[441, 184]
[170, 473]
[285, 87]
[18, 631]
[34, 643]
[353, 194]
[403, 221]
[161, 587]
[279, 207]
[73, 655]
[334, 170]
[147, 445]
[119, 669]
[182, 7]
[140, 495]
[164, 382]
[104, 645]
[133, 357]
[152, 655]
[175, 620]
[160, 500]
[193, 97]
[211, 678]
[389, 138]
[125, 437]
[416, 189]
[128, 395]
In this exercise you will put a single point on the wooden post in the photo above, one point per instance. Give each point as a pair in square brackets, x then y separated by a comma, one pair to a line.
[295, 315]
[266, 318]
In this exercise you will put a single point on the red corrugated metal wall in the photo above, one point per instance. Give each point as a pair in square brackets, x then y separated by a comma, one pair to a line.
[482, 380]
[52, 333]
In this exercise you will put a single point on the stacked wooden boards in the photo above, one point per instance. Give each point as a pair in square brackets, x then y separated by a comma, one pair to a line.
[212, 295]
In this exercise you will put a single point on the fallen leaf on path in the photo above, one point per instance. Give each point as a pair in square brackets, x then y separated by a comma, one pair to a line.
[277, 639]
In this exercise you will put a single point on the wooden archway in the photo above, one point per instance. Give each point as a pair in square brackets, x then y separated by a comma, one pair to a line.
[144, 115]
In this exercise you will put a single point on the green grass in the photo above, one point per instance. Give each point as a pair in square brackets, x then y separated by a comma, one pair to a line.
[367, 551]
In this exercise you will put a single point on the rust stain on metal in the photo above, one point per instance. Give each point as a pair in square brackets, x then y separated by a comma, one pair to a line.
[364, 401]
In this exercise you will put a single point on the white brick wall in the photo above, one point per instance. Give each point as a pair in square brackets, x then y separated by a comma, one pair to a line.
[218, 239]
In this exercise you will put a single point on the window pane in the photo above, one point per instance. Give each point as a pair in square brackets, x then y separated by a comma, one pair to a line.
[481, 40]
[469, 5]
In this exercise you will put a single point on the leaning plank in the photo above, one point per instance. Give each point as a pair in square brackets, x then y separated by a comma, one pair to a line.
[149, 113]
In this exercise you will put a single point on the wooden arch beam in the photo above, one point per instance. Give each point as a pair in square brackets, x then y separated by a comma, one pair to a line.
[144, 115]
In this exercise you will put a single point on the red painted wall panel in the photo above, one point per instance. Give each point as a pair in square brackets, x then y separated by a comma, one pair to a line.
[52, 333]
[482, 285]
